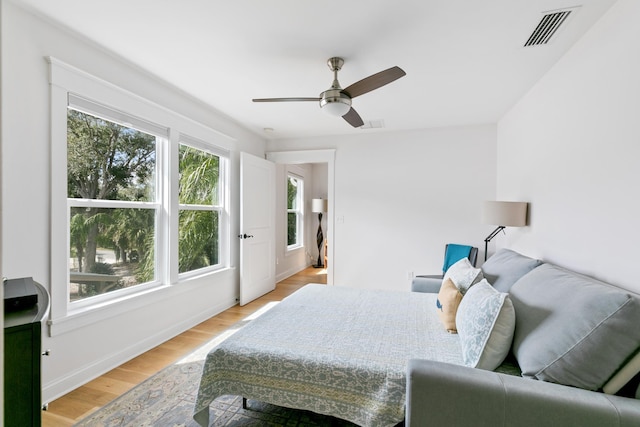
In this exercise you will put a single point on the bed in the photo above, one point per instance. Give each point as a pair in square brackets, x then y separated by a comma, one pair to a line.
[332, 350]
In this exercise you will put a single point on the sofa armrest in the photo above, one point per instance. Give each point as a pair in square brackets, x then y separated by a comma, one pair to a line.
[426, 284]
[445, 394]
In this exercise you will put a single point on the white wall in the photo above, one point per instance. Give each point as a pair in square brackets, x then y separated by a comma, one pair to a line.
[400, 197]
[83, 353]
[571, 147]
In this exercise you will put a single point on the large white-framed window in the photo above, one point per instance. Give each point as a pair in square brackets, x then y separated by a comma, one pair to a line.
[295, 211]
[202, 195]
[118, 188]
[114, 201]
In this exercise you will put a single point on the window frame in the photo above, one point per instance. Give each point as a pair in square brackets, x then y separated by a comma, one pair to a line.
[221, 207]
[299, 212]
[67, 82]
[161, 134]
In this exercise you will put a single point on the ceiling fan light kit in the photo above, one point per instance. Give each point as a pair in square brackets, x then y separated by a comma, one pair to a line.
[337, 101]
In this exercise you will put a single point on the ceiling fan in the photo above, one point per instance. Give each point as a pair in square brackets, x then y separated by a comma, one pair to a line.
[337, 101]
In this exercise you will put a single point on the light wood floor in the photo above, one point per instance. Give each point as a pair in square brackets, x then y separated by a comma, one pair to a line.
[79, 403]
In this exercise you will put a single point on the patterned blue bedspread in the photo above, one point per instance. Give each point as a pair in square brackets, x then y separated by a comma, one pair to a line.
[331, 350]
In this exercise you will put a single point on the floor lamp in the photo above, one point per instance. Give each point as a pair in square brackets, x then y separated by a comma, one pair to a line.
[503, 214]
[319, 206]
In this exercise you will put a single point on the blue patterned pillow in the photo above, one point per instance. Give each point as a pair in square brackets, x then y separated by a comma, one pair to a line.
[485, 321]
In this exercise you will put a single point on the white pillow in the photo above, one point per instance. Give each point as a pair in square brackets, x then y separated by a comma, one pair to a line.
[485, 321]
[463, 275]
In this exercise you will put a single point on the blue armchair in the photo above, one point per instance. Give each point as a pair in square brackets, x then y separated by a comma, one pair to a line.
[452, 254]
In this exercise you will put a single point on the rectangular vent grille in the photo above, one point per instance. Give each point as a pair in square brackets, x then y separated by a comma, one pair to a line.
[373, 124]
[547, 27]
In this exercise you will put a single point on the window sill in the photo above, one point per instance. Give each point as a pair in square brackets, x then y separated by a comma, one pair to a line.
[188, 276]
[86, 316]
[291, 250]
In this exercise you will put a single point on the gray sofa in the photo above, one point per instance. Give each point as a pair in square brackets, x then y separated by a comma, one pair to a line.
[574, 337]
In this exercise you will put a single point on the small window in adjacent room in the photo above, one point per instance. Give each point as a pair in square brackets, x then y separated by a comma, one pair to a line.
[295, 211]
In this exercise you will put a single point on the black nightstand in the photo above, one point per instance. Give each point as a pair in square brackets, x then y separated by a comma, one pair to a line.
[22, 353]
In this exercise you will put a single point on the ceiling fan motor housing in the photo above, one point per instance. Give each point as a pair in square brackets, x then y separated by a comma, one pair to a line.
[335, 102]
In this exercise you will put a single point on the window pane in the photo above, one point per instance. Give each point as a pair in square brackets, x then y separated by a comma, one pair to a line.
[199, 172]
[292, 228]
[292, 193]
[198, 239]
[110, 249]
[108, 161]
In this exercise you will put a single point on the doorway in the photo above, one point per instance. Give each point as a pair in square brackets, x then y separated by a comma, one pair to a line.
[316, 157]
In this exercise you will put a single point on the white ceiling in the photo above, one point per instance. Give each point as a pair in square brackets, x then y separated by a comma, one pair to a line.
[464, 59]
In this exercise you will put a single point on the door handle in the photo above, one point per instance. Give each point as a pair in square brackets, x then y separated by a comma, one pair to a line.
[245, 236]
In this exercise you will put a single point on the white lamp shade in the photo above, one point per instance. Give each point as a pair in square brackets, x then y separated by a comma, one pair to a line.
[319, 205]
[508, 214]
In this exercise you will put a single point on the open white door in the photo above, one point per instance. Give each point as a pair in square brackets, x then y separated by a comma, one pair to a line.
[257, 227]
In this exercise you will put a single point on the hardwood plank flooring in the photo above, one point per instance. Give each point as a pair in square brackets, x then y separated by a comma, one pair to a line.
[79, 403]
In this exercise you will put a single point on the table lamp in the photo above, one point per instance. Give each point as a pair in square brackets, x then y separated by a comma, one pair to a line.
[319, 206]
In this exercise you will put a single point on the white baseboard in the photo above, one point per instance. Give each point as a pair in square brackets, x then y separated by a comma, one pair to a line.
[86, 373]
[286, 274]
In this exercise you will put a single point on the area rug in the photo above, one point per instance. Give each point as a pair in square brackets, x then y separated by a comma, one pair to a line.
[168, 398]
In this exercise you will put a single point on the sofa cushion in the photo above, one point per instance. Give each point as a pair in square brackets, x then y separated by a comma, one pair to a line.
[426, 284]
[448, 301]
[505, 267]
[485, 323]
[463, 275]
[572, 329]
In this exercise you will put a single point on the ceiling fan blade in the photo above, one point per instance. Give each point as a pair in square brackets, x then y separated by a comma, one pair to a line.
[284, 99]
[374, 81]
[353, 118]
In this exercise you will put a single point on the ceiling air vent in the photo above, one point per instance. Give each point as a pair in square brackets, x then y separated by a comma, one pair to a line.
[548, 26]
[373, 124]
